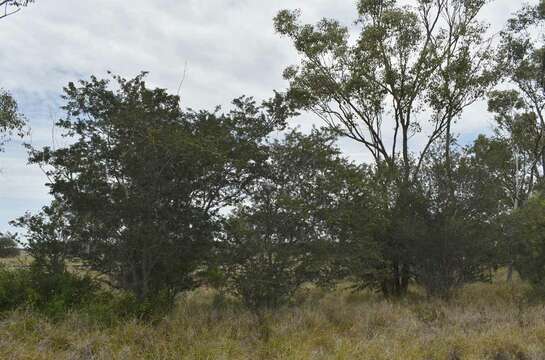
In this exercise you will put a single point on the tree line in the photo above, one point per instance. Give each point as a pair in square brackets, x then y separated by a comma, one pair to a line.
[159, 200]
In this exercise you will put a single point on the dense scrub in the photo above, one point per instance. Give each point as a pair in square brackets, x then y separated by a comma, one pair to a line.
[210, 234]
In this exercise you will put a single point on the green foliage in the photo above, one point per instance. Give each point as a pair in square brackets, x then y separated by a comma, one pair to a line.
[521, 111]
[458, 242]
[13, 288]
[47, 238]
[515, 156]
[11, 121]
[142, 184]
[288, 232]
[404, 65]
[159, 200]
[401, 53]
[57, 295]
[8, 246]
[52, 294]
[107, 308]
[528, 227]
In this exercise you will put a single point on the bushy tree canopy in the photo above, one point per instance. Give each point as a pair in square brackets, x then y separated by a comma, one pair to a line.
[144, 181]
[299, 215]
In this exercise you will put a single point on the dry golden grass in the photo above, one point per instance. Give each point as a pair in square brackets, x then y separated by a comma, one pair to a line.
[483, 321]
[14, 262]
[23, 260]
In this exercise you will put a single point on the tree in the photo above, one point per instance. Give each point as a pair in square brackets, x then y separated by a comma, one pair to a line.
[520, 111]
[48, 238]
[293, 227]
[11, 7]
[8, 246]
[458, 233]
[144, 181]
[11, 121]
[429, 59]
[528, 226]
[506, 162]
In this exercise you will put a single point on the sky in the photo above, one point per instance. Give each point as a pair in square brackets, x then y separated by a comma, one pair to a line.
[225, 48]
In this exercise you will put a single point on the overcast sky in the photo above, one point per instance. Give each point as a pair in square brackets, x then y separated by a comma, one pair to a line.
[227, 47]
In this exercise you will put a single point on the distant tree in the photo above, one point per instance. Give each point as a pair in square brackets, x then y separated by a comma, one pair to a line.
[520, 111]
[293, 227]
[428, 55]
[144, 181]
[10, 7]
[11, 121]
[507, 177]
[47, 236]
[507, 164]
[8, 246]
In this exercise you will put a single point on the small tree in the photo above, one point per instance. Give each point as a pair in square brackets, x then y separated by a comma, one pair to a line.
[291, 228]
[8, 246]
[528, 224]
[455, 224]
[47, 238]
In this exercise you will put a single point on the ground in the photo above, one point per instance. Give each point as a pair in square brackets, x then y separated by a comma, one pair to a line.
[482, 321]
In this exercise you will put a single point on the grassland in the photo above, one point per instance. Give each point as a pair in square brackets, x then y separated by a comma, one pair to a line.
[482, 321]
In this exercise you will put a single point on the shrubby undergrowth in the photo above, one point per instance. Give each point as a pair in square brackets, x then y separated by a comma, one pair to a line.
[481, 321]
[56, 295]
[53, 294]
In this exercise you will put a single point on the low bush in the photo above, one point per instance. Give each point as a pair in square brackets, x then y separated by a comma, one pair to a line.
[55, 295]
[109, 308]
[528, 234]
[14, 285]
[52, 294]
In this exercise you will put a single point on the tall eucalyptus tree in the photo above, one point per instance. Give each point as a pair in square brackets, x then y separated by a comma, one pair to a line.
[520, 109]
[402, 71]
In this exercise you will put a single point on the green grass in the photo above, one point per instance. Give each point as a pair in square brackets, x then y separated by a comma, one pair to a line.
[482, 321]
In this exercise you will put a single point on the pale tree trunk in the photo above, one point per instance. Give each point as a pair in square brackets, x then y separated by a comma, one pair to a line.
[515, 207]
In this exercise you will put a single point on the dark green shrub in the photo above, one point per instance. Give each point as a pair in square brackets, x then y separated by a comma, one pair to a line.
[14, 285]
[528, 230]
[52, 294]
[287, 232]
[107, 308]
[55, 294]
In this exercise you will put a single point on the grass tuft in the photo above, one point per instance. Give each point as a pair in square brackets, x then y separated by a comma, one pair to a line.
[481, 321]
